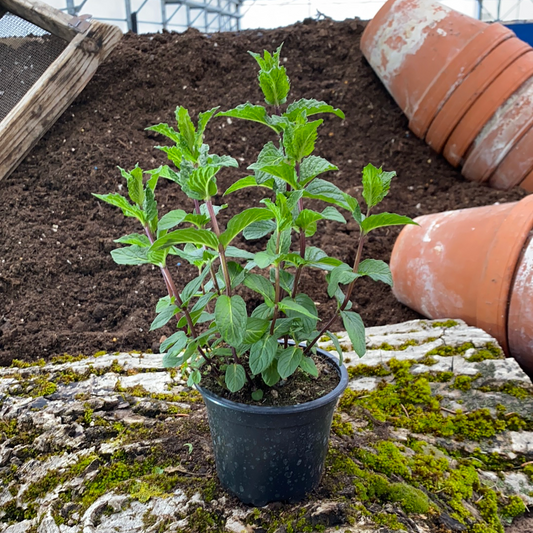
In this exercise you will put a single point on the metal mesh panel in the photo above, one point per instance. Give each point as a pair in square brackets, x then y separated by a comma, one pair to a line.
[26, 51]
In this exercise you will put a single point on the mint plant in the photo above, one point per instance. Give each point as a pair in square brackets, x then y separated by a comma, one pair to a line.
[216, 333]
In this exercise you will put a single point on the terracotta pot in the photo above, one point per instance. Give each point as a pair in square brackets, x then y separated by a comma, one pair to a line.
[520, 329]
[497, 139]
[461, 264]
[485, 106]
[452, 76]
[472, 87]
[410, 43]
[517, 165]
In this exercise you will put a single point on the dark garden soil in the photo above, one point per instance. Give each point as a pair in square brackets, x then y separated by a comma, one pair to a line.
[59, 288]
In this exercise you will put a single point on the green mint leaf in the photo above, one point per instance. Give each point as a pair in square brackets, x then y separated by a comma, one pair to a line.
[171, 219]
[177, 341]
[221, 161]
[275, 85]
[174, 154]
[202, 183]
[376, 184]
[337, 345]
[243, 183]
[200, 237]
[376, 269]
[383, 220]
[257, 395]
[194, 378]
[356, 331]
[289, 360]
[354, 208]
[308, 365]
[162, 318]
[157, 257]
[288, 304]
[134, 238]
[203, 119]
[299, 140]
[239, 222]
[306, 221]
[163, 302]
[262, 286]
[262, 354]
[270, 375]
[311, 107]
[308, 320]
[119, 201]
[320, 189]
[255, 329]
[283, 171]
[134, 181]
[150, 208]
[248, 111]
[235, 377]
[286, 280]
[192, 288]
[257, 230]
[166, 130]
[264, 311]
[186, 129]
[131, 255]
[312, 166]
[264, 259]
[232, 251]
[270, 155]
[341, 274]
[198, 220]
[330, 213]
[230, 316]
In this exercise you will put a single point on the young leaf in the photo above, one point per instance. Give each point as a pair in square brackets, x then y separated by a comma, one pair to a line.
[134, 238]
[194, 378]
[341, 274]
[248, 111]
[264, 259]
[376, 184]
[308, 365]
[383, 220]
[249, 181]
[230, 315]
[166, 130]
[200, 237]
[131, 255]
[164, 302]
[330, 213]
[171, 219]
[150, 208]
[283, 171]
[275, 85]
[203, 119]
[307, 220]
[312, 166]
[202, 183]
[255, 329]
[288, 304]
[235, 377]
[157, 257]
[242, 220]
[162, 318]
[134, 179]
[299, 140]
[257, 395]
[270, 155]
[119, 201]
[186, 128]
[262, 354]
[356, 331]
[320, 189]
[289, 360]
[337, 345]
[311, 107]
[193, 286]
[354, 208]
[233, 251]
[376, 269]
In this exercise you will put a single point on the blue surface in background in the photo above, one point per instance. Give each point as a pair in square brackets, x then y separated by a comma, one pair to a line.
[523, 30]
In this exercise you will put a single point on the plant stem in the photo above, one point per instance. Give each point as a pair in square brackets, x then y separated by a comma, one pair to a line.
[221, 253]
[276, 299]
[346, 297]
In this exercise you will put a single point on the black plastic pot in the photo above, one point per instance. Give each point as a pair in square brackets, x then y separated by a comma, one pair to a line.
[266, 454]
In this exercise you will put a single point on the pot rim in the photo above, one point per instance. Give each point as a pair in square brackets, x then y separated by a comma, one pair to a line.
[286, 409]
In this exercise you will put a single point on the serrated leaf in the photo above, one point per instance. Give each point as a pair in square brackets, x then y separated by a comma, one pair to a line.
[383, 220]
[263, 311]
[186, 128]
[311, 107]
[163, 302]
[330, 213]
[289, 360]
[342, 274]
[255, 328]
[220, 161]
[308, 365]
[134, 238]
[376, 184]
[257, 230]
[309, 321]
[286, 281]
[232, 251]
[354, 208]
[356, 331]
[235, 377]
[119, 201]
[241, 221]
[166, 130]
[193, 286]
[275, 85]
[230, 315]
[134, 180]
[171, 219]
[162, 318]
[262, 354]
[320, 189]
[306, 221]
[150, 208]
[299, 140]
[336, 343]
[261, 285]
[248, 111]
[200, 237]
[157, 257]
[203, 119]
[264, 259]
[270, 155]
[177, 341]
[376, 269]
[202, 183]
[283, 171]
[288, 304]
[312, 166]
[131, 255]
[248, 181]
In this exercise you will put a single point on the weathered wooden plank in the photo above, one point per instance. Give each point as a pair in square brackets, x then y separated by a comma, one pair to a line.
[53, 93]
[42, 15]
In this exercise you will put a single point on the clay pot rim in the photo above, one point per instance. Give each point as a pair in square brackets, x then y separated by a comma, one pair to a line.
[454, 73]
[497, 277]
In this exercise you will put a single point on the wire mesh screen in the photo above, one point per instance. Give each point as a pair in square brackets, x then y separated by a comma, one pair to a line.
[26, 51]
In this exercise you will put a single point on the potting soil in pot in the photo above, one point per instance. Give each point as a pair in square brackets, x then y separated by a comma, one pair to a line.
[59, 288]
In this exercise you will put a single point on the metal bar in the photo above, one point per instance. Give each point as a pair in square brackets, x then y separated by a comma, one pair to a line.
[198, 5]
[71, 9]
[129, 22]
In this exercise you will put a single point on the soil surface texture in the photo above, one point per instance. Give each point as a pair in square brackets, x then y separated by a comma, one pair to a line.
[60, 291]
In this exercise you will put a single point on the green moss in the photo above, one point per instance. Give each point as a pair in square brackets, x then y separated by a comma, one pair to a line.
[387, 459]
[511, 388]
[143, 492]
[388, 520]
[401, 347]
[410, 499]
[489, 351]
[139, 391]
[488, 508]
[17, 363]
[66, 358]
[448, 351]
[341, 428]
[463, 383]
[515, 507]
[366, 371]
[203, 521]
[445, 324]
